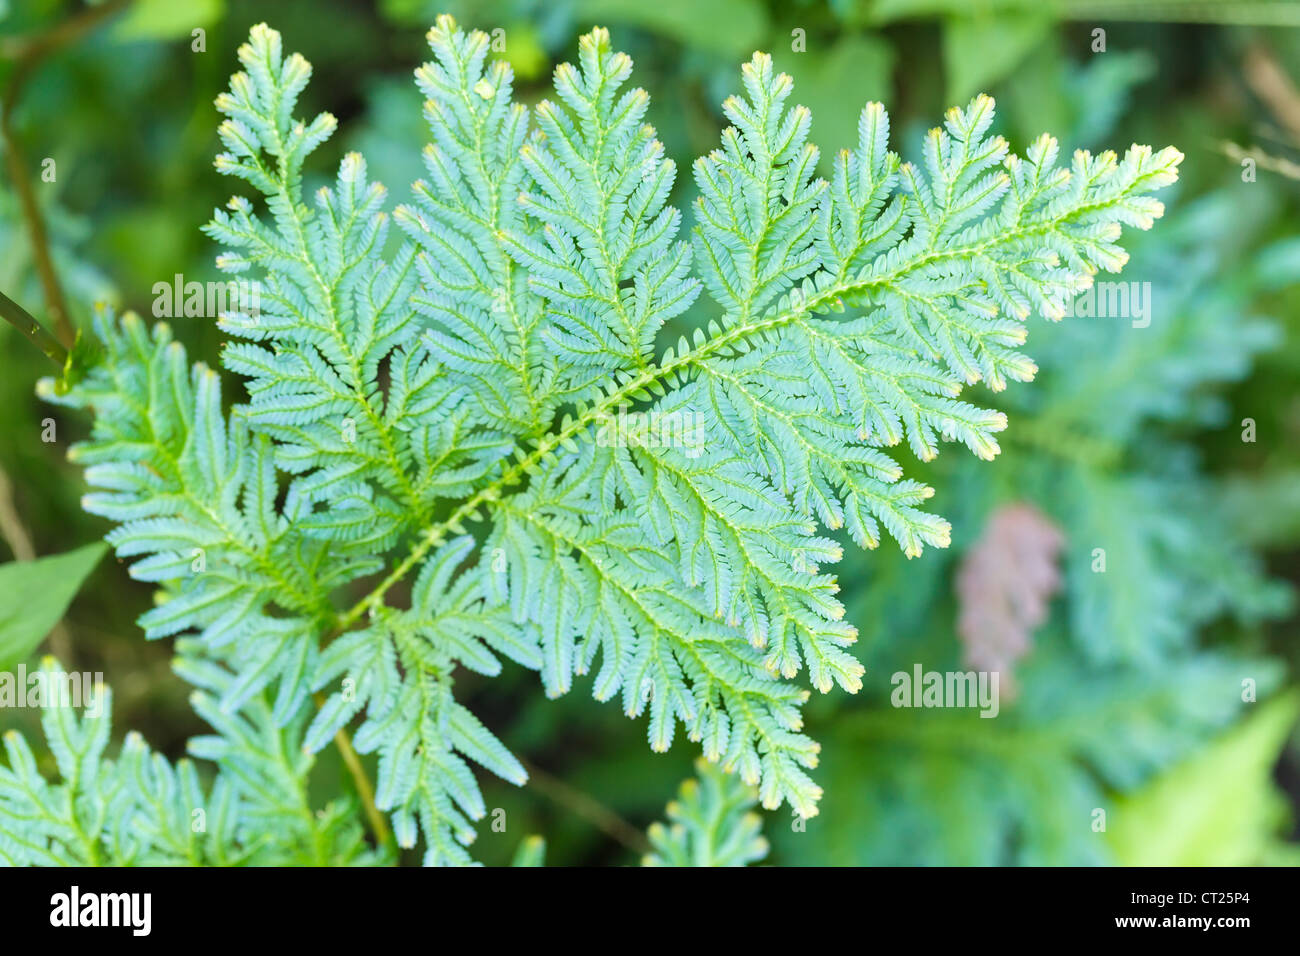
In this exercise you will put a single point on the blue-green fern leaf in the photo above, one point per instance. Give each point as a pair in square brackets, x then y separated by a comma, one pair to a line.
[483, 407]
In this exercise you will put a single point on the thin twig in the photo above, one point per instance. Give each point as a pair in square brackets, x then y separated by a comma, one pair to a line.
[591, 810]
[1271, 84]
[29, 56]
[361, 780]
[1273, 164]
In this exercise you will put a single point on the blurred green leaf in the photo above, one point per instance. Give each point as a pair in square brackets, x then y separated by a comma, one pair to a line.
[34, 595]
[1220, 808]
[1265, 505]
[1278, 265]
[731, 27]
[979, 51]
[167, 19]
[823, 77]
[531, 852]
[524, 51]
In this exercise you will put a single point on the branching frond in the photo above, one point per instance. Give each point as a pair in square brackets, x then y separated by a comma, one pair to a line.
[141, 810]
[656, 513]
[712, 824]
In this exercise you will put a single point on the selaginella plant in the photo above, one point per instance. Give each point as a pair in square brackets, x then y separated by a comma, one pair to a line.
[473, 421]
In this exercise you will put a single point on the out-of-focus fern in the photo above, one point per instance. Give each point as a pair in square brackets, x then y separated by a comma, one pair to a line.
[711, 823]
[475, 374]
[141, 810]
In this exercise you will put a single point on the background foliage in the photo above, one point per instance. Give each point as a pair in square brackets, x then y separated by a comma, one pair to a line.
[1127, 695]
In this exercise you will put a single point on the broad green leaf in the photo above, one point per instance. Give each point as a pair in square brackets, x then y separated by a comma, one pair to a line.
[1219, 808]
[34, 595]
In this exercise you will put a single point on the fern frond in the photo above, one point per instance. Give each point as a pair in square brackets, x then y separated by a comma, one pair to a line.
[194, 497]
[141, 810]
[330, 311]
[601, 249]
[399, 672]
[483, 323]
[503, 359]
[696, 570]
[712, 824]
